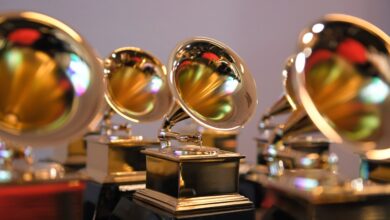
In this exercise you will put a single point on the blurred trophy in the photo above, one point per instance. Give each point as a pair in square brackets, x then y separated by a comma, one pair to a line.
[51, 91]
[342, 73]
[136, 89]
[212, 85]
[295, 143]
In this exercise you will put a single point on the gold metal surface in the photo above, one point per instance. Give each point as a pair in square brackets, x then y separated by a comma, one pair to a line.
[50, 80]
[224, 140]
[276, 140]
[184, 206]
[136, 86]
[288, 102]
[210, 84]
[343, 73]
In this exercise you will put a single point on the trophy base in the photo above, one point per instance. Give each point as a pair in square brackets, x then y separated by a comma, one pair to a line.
[297, 154]
[116, 168]
[230, 206]
[100, 199]
[319, 195]
[293, 208]
[193, 182]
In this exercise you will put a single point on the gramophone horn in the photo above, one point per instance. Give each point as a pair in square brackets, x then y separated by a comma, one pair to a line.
[210, 84]
[135, 85]
[298, 121]
[50, 80]
[287, 102]
[343, 74]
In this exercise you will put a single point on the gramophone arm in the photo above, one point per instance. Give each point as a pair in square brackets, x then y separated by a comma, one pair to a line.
[166, 135]
[107, 128]
[297, 123]
[279, 107]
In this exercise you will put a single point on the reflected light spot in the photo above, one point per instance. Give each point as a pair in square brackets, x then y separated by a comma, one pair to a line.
[284, 73]
[5, 154]
[305, 183]
[227, 108]
[317, 28]
[375, 92]
[79, 74]
[307, 51]
[305, 161]
[272, 151]
[53, 173]
[307, 37]
[230, 85]
[5, 175]
[13, 59]
[155, 85]
[300, 62]
[242, 68]
[357, 184]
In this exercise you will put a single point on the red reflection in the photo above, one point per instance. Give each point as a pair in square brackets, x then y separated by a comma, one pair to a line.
[353, 51]
[24, 36]
[136, 59]
[210, 56]
[316, 57]
[184, 64]
[64, 84]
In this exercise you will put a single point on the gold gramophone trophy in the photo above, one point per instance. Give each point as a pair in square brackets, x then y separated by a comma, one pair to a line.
[212, 85]
[342, 71]
[295, 143]
[50, 92]
[135, 88]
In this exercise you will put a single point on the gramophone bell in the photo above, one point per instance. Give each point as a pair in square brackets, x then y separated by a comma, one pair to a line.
[211, 84]
[343, 73]
[50, 80]
[135, 85]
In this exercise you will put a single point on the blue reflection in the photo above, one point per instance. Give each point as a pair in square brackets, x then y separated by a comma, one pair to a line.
[5, 176]
[305, 161]
[5, 154]
[305, 183]
[79, 74]
[375, 92]
[230, 85]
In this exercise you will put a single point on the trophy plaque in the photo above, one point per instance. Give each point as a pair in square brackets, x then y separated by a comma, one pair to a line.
[212, 85]
[136, 89]
[50, 86]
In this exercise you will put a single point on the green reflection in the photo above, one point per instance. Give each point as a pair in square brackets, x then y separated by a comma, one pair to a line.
[346, 97]
[366, 126]
[13, 59]
[205, 90]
